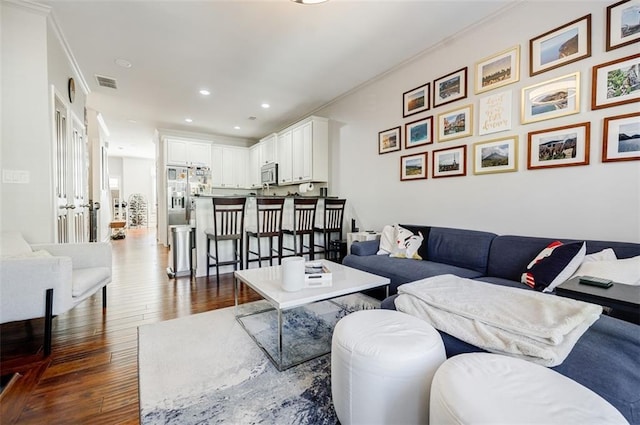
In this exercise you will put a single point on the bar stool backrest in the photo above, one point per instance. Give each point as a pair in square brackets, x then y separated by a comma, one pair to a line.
[334, 214]
[228, 217]
[304, 214]
[269, 216]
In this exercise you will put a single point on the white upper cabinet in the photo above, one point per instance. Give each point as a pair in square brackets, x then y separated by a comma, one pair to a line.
[199, 154]
[269, 149]
[285, 159]
[307, 159]
[254, 167]
[302, 167]
[188, 153]
[176, 152]
[216, 166]
[233, 167]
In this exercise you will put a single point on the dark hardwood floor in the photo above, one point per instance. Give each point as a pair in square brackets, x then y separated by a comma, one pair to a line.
[91, 377]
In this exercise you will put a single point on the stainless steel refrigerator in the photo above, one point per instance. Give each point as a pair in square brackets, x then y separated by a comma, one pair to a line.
[183, 184]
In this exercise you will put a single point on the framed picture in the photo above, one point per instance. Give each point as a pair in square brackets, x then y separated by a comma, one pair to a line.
[551, 99]
[416, 100]
[389, 140]
[621, 138]
[494, 113]
[455, 124]
[616, 83]
[496, 156]
[623, 27]
[413, 167]
[561, 46]
[559, 147]
[450, 162]
[450, 88]
[498, 70]
[418, 133]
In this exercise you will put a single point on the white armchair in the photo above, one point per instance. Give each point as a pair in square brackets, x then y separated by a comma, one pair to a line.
[46, 280]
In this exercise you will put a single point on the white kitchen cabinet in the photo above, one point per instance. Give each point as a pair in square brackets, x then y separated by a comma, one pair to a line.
[232, 162]
[199, 154]
[307, 159]
[254, 166]
[216, 166]
[269, 149]
[176, 152]
[285, 159]
[302, 153]
[188, 153]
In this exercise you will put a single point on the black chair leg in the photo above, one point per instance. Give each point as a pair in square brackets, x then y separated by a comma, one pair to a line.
[48, 322]
[104, 296]
[208, 252]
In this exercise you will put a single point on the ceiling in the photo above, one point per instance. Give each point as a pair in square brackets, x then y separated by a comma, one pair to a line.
[297, 58]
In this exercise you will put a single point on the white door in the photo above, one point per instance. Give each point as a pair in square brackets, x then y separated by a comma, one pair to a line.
[71, 178]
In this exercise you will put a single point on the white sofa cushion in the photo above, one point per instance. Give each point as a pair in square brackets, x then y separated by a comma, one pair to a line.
[89, 279]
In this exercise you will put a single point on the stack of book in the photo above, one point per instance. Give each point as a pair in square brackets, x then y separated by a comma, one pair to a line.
[316, 275]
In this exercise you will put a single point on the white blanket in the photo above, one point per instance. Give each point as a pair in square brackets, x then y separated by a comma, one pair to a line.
[541, 328]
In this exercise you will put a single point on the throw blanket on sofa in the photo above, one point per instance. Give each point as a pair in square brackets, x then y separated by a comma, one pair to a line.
[541, 328]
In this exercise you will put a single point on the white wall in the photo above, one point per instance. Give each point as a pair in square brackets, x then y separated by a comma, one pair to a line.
[137, 177]
[26, 128]
[596, 201]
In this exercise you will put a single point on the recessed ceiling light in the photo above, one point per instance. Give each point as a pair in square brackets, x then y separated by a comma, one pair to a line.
[123, 63]
[205, 92]
[237, 127]
[188, 120]
[265, 105]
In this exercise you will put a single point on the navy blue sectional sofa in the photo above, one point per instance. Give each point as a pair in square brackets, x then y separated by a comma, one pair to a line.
[605, 359]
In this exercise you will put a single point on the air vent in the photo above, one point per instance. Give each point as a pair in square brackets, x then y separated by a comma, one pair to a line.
[106, 82]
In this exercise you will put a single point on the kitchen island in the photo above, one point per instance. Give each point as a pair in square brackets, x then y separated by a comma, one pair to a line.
[204, 220]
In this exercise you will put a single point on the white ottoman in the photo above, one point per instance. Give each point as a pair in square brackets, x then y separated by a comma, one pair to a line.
[483, 388]
[382, 363]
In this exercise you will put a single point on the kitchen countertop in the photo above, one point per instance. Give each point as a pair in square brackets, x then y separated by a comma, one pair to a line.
[265, 196]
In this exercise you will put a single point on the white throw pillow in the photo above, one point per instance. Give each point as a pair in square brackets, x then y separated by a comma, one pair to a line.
[387, 240]
[12, 244]
[607, 254]
[626, 271]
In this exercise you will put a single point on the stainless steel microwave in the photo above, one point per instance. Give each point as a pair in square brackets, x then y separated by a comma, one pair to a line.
[269, 174]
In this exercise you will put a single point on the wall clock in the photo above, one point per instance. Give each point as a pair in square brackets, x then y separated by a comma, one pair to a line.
[72, 89]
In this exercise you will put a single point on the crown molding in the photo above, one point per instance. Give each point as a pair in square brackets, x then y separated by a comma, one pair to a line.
[55, 27]
[31, 6]
[47, 11]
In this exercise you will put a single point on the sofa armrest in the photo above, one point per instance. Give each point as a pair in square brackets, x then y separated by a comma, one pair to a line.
[24, 282]
[365, 247]
[83, 255]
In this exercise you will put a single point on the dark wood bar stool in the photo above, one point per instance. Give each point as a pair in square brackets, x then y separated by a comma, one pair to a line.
[228, 225]
[268, 225]
[333, 216]
[304, 217]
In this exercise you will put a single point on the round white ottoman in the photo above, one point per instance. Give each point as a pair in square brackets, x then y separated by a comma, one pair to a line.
[382, 363]
[484, 388]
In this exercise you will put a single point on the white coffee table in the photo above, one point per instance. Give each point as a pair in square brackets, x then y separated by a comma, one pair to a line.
[266, 281]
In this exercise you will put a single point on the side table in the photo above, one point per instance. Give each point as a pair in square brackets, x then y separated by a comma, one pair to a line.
[621, 298]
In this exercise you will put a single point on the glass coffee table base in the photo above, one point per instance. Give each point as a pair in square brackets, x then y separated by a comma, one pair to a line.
[294, 336]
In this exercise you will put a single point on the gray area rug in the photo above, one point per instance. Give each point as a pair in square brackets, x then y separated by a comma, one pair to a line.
[206, 369]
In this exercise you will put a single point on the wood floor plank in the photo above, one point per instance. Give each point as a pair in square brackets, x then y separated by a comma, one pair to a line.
[91, 376]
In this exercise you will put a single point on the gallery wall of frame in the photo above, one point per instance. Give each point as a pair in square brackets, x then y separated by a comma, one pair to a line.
[440, 119]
